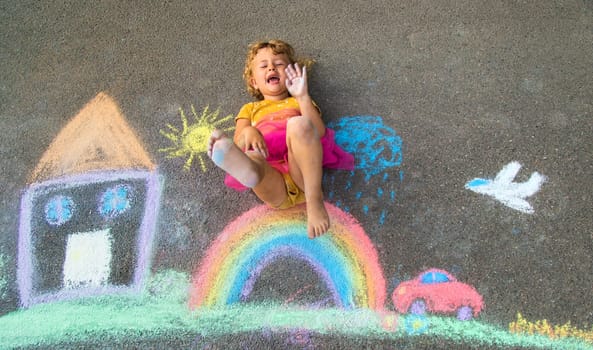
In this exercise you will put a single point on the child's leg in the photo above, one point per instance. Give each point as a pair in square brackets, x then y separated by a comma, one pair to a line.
[305, 156]
[272, 188]
[227, 156]
[250, 169]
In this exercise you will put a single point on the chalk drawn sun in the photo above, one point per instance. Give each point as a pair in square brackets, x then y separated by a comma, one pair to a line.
[191, 141]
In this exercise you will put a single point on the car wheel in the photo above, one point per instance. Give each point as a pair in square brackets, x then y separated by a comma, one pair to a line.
[418, 307]
[465, 313]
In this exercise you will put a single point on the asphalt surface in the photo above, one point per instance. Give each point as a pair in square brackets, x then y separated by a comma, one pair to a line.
[468, 86]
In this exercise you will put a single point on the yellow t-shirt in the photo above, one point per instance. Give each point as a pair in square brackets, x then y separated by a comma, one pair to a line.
[269, 110]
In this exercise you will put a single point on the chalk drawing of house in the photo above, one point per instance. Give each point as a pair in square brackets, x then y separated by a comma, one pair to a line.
[88, 215]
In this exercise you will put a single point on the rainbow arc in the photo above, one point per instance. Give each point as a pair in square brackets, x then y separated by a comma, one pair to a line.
[345, 259]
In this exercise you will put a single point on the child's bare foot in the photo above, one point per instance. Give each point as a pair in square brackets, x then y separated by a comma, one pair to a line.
[317, 218]
[227, 156]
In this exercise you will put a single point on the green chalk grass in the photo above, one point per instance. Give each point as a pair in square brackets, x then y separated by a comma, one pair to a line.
[163, 312]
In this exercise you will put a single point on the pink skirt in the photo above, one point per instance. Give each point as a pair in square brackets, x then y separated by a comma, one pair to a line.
[334, 157]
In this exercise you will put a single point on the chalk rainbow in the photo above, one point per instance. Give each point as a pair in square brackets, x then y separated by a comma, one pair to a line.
[345, 258]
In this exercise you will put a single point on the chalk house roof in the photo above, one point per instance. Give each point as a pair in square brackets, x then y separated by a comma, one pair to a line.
[97, 138]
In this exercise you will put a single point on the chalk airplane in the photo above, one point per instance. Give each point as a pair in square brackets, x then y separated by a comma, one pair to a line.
[503, 189]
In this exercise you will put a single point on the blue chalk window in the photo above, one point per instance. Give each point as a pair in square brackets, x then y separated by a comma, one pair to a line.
[434, 277]
[114, 201]
[59, 210]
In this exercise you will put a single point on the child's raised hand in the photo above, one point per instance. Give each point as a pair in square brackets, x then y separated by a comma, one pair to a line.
[296, 81]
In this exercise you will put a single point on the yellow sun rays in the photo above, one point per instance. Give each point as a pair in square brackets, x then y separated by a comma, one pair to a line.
[192, 140]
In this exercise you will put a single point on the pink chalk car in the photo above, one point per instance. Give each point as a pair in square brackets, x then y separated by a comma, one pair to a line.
[437, 291]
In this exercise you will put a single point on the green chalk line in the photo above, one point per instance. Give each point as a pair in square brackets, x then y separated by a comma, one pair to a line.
[162, 312]
[145, 318]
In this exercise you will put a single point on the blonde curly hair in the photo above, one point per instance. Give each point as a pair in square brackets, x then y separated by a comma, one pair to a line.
[278, 47]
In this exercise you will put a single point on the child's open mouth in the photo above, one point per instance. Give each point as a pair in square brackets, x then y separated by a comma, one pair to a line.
[273, 80]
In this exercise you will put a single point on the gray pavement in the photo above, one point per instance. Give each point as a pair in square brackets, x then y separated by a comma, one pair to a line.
[469, 87]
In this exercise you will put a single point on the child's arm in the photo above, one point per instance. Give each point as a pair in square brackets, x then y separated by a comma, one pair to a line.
[298, 88]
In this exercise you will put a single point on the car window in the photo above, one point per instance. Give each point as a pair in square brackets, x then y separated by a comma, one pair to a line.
[434, 277]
